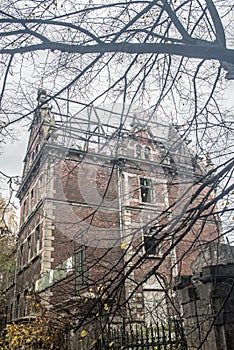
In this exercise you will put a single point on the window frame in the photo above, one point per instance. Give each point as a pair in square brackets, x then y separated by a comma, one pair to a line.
[153, 251]
[81, 271]
[37, 239]
[32, 199]
[29, 249]
[21, 256]
[146, 190]
[138, 151]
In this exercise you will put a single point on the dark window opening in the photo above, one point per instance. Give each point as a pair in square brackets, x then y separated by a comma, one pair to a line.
[21, 256]
[17, 306]
[11, 311]
[24, 210]
[6, 315]
[28, 255]
[25, 311]
[138, 151]
[146, 190]
[37, 240]
[32, 199]
[81, 272]
[147, 152]
[40, 182]
[151, 241]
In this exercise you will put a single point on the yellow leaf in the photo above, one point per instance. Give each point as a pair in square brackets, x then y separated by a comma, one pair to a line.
[83, 333]
[111, 343]
[123, 245]
[100, 287]
[106, 307]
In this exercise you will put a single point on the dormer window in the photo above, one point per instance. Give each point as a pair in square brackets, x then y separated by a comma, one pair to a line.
[143, 152]
[138, 151]
[147, 152]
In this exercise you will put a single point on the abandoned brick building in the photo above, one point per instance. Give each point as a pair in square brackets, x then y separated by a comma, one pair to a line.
[100, 208]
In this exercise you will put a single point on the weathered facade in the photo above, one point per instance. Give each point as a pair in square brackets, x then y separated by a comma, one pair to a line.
[107, 208]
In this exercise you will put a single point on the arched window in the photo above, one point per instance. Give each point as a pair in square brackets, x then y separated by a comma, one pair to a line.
[147, 152]
[138, 151]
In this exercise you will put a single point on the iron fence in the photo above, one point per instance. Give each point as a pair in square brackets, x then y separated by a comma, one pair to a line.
[157, 336]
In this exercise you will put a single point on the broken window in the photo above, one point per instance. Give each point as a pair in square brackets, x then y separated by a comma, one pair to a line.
[146, 190]
[151, 241]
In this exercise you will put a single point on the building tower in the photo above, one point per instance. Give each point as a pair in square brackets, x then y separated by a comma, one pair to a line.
[107, 210]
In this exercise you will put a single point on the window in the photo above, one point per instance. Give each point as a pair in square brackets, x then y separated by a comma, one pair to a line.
[51, 276]
[26, 297]
[138, 151]
[69, 264]
[40, 184]
[21, 256]
[146, 190]
[6, 315]
[17, 306]
[37, 240]
[28, 252]
[147, 152]
[31, 199]
[11, 311]
[151, 241]
[24, 210]
[81, 272]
